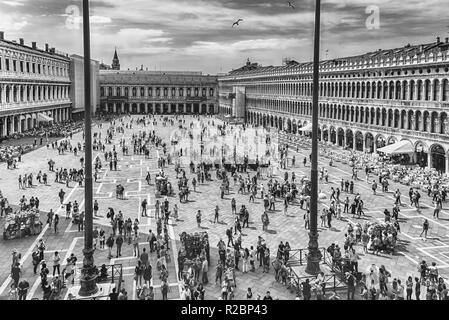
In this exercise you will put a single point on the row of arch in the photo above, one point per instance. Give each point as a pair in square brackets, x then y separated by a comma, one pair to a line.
[395, 118]
[156, 91]
[416, 89]
[426, 154]
[158, 108]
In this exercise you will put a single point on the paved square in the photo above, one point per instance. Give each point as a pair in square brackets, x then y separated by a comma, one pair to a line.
[131, 174]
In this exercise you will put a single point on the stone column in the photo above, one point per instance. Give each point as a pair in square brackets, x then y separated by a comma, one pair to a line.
[19, 124]
[5, 128]
[114, 107]
[429, 159]
[446, 163]
[25, 124]
[3, 87]
[440, 98]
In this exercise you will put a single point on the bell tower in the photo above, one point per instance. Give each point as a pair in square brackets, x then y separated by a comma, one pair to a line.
[115, 61]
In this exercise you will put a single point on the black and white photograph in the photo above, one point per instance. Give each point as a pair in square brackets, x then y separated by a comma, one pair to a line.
[224, 151]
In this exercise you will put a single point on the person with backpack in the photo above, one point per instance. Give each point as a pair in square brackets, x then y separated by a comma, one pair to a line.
[95, 208]
[110, 243]
[119, 243]
[36, 260]
[229, 235]
[23, 287]
[350, 280]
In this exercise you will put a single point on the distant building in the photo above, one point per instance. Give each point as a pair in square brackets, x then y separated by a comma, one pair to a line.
[158, 92]
[365, 101]
[77, 86]
[34, 86]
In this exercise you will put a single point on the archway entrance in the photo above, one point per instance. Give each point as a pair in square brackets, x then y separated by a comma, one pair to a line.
[421, 155]
[325, 134]
[369, 142]
[438, 157]
[333, 135]
[349, 139]
[359, 141]
[341, 137]
[380, 142]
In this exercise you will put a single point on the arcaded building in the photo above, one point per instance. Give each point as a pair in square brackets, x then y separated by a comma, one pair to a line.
[34, 86]
[366, 101]
[157, 92]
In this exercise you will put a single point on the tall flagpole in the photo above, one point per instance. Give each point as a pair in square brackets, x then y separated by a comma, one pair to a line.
[314, 256]
[88, 272]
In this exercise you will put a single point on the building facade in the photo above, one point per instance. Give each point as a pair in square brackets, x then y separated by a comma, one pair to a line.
[77, 85]
[366, 101]
[158, 92]
[34, 86]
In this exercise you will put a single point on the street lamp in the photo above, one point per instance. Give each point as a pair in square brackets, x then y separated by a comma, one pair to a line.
[88, 272]
[314, 256]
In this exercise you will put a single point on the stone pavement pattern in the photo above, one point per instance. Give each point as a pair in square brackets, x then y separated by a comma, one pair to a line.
[131, 173]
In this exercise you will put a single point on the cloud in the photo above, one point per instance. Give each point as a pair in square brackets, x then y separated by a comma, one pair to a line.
[12, 22]
[197, 34]
[13, 3]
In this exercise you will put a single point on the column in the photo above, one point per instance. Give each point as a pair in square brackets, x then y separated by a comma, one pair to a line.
[429, 159]
[5, 129]
[446, 163]
[169, 108]
[146, 108]
[11, 126]
[374, 147]
[114, 107]
[19, 124]
[440, 98]
[3, 87]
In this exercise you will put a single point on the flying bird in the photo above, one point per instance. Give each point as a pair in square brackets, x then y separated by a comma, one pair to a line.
[291, 5]
[237, 22]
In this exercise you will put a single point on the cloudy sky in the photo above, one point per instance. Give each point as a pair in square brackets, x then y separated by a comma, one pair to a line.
[197, 34]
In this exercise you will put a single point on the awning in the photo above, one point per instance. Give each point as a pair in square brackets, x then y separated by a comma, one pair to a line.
[403, 146]
[306, 128]
[44, 117]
